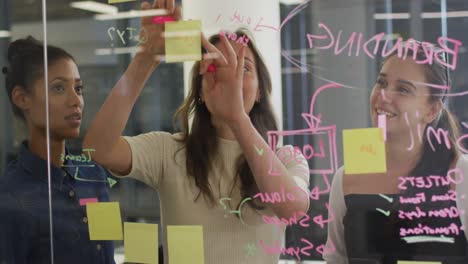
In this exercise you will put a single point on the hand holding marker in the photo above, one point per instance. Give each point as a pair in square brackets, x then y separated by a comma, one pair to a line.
[153, 26]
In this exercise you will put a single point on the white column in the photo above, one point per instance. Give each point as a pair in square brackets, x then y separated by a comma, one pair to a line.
[217, 14]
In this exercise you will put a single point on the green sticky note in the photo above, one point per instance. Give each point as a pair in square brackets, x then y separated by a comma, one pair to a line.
[364, 151]
[119, 1]
[183, 40]
[185, 244]
[104, 221]
[417, 262]
[141, 243]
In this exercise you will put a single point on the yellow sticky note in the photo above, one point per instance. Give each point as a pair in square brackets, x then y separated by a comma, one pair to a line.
[364, 151]
[141, 242]
[104, 221]
[183, 40]
[119, 1]
[185, 244]
[417, 262]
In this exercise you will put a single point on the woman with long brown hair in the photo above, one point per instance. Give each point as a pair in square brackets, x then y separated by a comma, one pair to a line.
[223, 155]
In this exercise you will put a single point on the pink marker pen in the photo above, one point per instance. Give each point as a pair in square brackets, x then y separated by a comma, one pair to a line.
[162, 19]
[212, 67]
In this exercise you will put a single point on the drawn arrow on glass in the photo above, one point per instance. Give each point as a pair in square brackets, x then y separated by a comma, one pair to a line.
[109, 180]
[314, 120]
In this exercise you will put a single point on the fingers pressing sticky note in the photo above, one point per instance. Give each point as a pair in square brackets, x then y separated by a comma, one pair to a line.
[183, 41]
[141, 243]
[364, 151]
[185, 244]
[104, 221]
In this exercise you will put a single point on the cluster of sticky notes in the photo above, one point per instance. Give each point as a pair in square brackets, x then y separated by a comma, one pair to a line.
[185, 243]
[364, 151]
[183, 40]
[417, 262]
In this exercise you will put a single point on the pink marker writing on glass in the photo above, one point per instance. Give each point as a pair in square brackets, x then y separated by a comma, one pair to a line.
[162, 19]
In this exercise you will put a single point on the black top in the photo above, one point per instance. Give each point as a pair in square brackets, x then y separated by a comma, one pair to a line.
[374, 228]
[24, 212]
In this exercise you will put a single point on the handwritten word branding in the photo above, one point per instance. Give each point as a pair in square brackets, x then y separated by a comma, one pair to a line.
[452, 229]
[454, 176]
[354, 44]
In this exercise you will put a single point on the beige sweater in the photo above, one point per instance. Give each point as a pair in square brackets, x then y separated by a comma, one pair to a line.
[225, 239]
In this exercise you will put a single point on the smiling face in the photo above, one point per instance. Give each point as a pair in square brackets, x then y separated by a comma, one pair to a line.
[65, 101]
[250, 84]
[398, 92]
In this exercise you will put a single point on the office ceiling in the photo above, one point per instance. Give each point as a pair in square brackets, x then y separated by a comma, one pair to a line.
[31, 10]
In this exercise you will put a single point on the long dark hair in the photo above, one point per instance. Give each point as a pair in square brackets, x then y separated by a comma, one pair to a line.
[26, 65]
[200, 141]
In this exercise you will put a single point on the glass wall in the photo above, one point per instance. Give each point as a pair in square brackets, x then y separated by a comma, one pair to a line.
[365, 165]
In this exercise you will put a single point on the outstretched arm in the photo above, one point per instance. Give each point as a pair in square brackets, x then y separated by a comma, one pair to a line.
[104, 134]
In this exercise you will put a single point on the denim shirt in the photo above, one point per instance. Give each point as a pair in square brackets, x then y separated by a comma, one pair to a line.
[24, 212]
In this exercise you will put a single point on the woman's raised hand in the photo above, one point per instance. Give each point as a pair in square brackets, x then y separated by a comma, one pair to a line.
[151, 34]
[222, 89]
